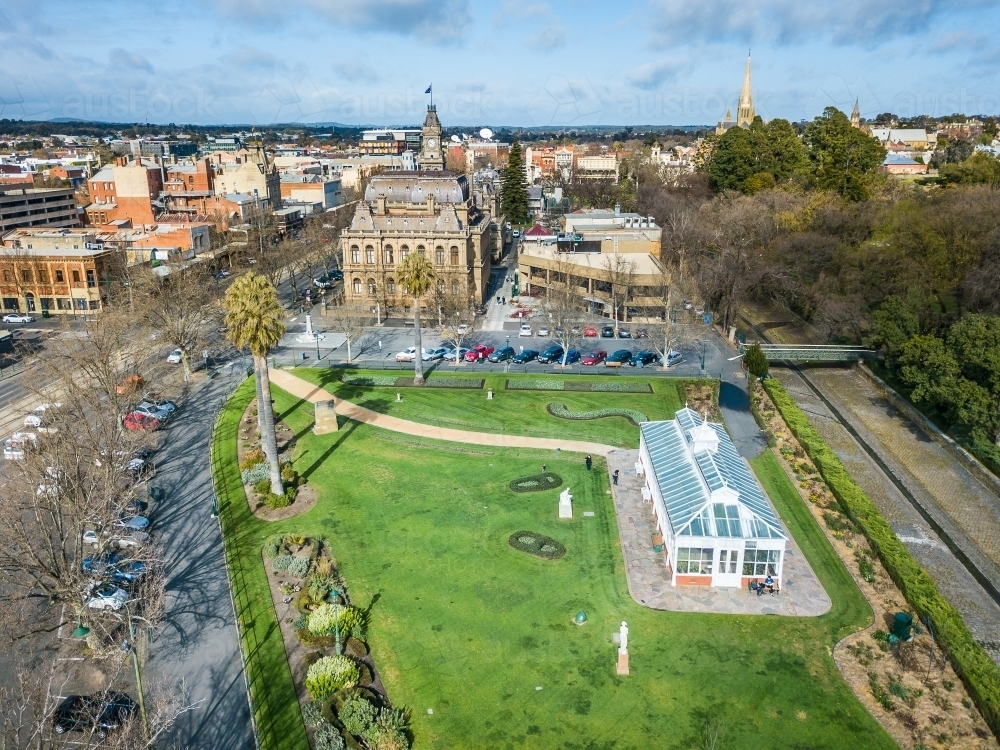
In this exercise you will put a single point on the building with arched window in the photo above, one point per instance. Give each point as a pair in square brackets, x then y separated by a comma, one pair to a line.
[432, 212]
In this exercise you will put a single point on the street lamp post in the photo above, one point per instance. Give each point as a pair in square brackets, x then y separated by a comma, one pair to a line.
[131, 646]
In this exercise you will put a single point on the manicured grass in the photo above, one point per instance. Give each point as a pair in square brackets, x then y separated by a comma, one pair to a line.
[467, 626]
[513, 412]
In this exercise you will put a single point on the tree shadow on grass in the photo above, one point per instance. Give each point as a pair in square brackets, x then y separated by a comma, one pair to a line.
[342, 435]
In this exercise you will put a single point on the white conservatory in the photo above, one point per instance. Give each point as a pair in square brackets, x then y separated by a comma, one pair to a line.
[718, 527]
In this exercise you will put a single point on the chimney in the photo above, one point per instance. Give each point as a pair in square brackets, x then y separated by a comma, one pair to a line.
[430, 203]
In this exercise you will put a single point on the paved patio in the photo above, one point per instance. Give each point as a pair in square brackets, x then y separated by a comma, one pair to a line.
[649, 577]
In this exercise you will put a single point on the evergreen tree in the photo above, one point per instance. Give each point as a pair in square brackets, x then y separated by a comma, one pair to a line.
[758, 157]
[513, 187]
[843, 157]
[756, 361]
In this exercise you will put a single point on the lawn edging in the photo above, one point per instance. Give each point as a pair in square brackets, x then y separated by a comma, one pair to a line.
[971, 662]
[270, 689]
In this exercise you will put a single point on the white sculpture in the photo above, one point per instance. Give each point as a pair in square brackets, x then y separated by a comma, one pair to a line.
[309, 336]
[565, 504]
[623, 638]
[309, 325]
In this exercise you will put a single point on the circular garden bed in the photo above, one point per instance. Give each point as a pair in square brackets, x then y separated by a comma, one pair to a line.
[536, 544]
[536, 482]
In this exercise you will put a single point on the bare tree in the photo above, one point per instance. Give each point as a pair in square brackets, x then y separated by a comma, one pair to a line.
[621, 276]
[350, 321]
[564, 306]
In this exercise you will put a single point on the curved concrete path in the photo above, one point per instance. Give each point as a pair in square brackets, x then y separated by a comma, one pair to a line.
[305, 390]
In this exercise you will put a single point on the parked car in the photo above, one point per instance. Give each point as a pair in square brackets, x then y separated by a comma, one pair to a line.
[644, 358]
[516, 233]
[118, 568]
[608, 332]
[174, 358]
[15, 446]
[37, 418]
[463, 328]
[641, 333]
[131, 382]
[108, 596]
[136, 420]
[433, 354]
[336, 275]
[618, 358]
[322, 282]
[595, 357]
[450, 355]
[131, 522]
[478, 353]
[151, 410]
[673, 357]
[543, 330]
[17, 318]
[590, 332]
[551, 354]
[480, 310]
[502, 354]
[525, 356]
[571, 357]
[98, 714]
[408, 354]
[169, 406]
[525, 330]
[624, 333]
[131, 539]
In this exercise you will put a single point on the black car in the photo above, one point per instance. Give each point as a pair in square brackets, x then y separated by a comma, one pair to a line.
[641, 333]
[502, 354]
[99, 713]
[608, 332]
[644, 358]
[551, 354]
[619, 358]
[525, 356]
[337, 275]
[624, 333]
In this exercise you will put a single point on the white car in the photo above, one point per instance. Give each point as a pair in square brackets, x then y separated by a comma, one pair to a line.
[174, 358]
[410, 353]
[673, 357]
[525, 330]
[18, 318]
[543, 331]
[516, 233]
[463, 329]
[152, 410]
[108, 596]
[136, 523]
[37, 415]
[14, 446]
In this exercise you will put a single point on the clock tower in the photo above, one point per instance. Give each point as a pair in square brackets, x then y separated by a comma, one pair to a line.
[431, 156]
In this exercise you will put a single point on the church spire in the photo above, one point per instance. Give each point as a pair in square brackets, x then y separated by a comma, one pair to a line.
[856, 116]
[745, 113]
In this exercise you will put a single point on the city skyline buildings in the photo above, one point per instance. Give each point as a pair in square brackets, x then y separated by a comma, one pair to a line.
[517, 64]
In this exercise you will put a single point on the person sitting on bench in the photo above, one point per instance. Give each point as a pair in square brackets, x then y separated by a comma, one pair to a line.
[769, 584]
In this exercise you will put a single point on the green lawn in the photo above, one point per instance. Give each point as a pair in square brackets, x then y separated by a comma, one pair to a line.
[467, 626]
[514, 412]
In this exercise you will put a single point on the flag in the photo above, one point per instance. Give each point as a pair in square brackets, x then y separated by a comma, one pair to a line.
[429, 89]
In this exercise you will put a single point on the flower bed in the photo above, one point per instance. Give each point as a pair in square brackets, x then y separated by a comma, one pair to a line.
[977, 670]
[394, 382]
[560, 410]
[585, 386]
[536, 482]
[538, 545]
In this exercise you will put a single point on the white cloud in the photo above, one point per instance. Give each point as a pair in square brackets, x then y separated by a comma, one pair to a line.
[548, 38]
[652, 74]
[355, 71]
[249, 56]
[122, 59]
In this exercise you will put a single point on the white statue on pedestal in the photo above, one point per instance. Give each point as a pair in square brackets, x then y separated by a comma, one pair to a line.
[565, 504]
[309, 325]
[623, 638]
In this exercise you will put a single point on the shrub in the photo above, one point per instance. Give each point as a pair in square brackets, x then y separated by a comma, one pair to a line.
[618, 386]
[255, 474]
[271, 547]
[280, 563]
[560, 410]
[327, 737]
[386, 739]
[756, 361]
[536, 544]
[289, 476]
[978, 671]
[298, 566]
[252, 458]
[357, 715]
[300, 621]
[330, 674]
[536, 482]
[312, 713]
[450, 382]
[319, 586]
[274, 502]
[262, 486]
[328, 618]
[295, 540]
[536, 385]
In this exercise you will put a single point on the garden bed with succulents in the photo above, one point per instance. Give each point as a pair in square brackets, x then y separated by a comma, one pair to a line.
[433, 381]
[557, 409]
[298, 497]
[586, 386]
[344, 703]
[910, 687]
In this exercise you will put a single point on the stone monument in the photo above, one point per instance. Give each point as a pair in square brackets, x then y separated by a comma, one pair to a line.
[622, 668]
[309, 336]
[565, 504]
[326, 417]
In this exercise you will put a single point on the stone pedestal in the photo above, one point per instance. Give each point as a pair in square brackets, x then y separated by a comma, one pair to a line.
[622, 667]
[326, 417]
[565, 504]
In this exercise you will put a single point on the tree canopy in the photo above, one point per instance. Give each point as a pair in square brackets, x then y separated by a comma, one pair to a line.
[843, 157]
[513, 187]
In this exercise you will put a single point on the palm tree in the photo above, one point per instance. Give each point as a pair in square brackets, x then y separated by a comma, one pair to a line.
[253, 320]
[415, 275]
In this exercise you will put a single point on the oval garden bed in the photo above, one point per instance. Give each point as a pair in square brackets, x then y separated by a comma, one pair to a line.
[536, 544]
[536, 482]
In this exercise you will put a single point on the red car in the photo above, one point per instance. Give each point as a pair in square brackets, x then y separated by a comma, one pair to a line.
[595, 357]
[590, 332]
[478, 353]
[136, 420]
[522, 312]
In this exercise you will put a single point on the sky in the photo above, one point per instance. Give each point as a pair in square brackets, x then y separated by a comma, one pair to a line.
[506, 63]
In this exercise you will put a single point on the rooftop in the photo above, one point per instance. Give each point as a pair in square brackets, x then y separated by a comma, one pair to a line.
[643, 263]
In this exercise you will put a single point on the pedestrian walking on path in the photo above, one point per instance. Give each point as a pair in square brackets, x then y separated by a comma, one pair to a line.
[614, 477]
[589, 461]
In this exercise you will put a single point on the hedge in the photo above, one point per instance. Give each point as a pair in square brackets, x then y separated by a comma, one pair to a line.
[391, 380]
[562, 411]
[588, 386]
[974, 666]
[535, 544]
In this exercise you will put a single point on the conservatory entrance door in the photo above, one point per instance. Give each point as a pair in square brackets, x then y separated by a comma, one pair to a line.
[727, 567]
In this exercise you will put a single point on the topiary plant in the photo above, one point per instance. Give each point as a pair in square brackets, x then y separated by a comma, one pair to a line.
[756, 361]
[330, 674]
[328, 618]
[357, 715]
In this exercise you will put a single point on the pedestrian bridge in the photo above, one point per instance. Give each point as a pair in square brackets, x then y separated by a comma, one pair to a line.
[812, 352]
